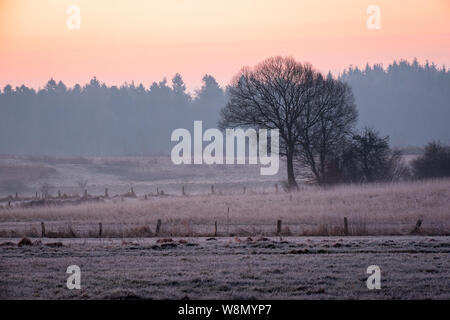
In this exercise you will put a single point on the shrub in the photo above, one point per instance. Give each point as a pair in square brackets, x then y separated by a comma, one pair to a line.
[365, 157]
[434, 163]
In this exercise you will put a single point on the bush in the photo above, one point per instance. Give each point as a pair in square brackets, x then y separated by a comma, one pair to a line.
[366, 157]
[434, 163]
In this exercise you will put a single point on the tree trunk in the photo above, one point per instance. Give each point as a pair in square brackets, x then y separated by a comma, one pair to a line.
[292, 184]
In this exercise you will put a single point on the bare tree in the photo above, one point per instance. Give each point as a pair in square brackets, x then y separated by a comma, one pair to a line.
[372, 154]
[278, 93]
[367, 157]
[319, 143]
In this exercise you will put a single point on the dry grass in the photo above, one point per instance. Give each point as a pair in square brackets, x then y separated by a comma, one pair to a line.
[376, 209]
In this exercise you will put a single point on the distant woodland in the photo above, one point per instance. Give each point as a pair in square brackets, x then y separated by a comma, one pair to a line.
[407, 101]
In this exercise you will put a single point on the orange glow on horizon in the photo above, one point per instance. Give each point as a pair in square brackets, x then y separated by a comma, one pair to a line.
[146, 40]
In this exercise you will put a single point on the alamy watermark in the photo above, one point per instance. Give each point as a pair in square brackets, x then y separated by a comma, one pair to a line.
[213, 153]
[374, 280]
[374, 20]
[74, 280]
[74, 19]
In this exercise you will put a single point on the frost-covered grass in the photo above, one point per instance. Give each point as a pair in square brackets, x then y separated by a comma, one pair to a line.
[372, 209]
[228, 268]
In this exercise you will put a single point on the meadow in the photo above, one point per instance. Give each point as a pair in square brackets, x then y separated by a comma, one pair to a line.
[372, 209]
[311, 255]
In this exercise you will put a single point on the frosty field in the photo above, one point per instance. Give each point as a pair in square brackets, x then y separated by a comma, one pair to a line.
[228, 268]
[313, 257]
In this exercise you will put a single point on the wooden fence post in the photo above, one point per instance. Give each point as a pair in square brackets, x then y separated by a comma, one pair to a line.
[279, 223]
[345, 226]
[42, 230]
[106, 193]
[85, 193]
[276, 187]
[245, 189]
[182, 191]
[17, 196]
[228, 221]
[215, 229]
[416, 229]
[418, 224]
[212, 189]
[100, 229]
[158, 227]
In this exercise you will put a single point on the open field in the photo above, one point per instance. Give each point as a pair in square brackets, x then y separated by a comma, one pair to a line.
[311, 258]
[25, 175]
[228, 268]
[376, 209]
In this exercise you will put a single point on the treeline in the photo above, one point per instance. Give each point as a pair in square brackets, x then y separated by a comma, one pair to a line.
[407, 101]
[96, 119]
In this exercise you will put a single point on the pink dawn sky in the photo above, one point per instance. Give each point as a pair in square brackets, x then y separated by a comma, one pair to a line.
[121, 41]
